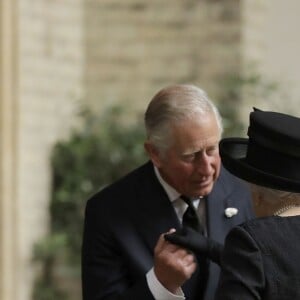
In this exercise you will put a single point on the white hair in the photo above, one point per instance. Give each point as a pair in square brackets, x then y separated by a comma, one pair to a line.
[173, 104]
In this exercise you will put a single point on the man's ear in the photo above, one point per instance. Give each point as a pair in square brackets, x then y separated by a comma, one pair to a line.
[153, 154]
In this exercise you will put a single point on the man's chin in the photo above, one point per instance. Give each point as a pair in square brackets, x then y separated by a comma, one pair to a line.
[204, 190]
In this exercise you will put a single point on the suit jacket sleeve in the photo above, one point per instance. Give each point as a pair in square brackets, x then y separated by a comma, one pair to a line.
[242, 275]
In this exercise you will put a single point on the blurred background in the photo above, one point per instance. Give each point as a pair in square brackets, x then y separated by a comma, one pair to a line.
[75, 79]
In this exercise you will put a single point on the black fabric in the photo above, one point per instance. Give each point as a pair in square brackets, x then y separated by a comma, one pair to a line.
[196, 242]
[190, 217]
[260, 261]
[270, 157]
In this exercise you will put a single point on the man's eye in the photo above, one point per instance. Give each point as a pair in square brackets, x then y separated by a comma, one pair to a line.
[188, 157]
[212, 150]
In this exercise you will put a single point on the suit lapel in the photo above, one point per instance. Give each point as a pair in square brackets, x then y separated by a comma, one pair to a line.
[216, 205]
[156, 212]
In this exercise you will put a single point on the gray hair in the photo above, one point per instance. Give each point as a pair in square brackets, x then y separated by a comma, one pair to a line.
[173, 104]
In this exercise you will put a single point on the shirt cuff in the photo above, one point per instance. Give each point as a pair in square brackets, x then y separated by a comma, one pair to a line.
[158, 291]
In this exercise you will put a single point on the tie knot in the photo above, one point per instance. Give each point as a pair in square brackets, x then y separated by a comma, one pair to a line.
[190, 217]
[187, 200]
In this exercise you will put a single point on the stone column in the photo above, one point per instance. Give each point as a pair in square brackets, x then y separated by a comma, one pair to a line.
[8, 147]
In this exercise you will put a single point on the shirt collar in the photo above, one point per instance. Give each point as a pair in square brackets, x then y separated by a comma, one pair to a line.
[171, 192]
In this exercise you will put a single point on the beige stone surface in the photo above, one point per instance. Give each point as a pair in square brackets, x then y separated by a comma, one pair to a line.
[135, 48]
[41, 80]
[8, 145]
[271, 44]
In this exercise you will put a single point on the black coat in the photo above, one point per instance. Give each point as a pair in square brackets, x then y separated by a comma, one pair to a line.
[261, 261]
[124, 221]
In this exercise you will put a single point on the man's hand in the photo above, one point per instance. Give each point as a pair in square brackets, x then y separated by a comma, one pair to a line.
[196, 242]
[173, 265]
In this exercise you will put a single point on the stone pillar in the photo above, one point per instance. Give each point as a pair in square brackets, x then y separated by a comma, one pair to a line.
[8, 147]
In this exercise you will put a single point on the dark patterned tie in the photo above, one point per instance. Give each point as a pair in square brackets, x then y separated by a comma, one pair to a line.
[190, 217]
[195, 286]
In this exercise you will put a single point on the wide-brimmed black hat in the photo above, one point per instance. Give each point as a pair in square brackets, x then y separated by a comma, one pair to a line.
[271, 155]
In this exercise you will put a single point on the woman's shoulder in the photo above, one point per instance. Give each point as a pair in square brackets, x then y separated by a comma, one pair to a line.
[271, 223]
[267, 232]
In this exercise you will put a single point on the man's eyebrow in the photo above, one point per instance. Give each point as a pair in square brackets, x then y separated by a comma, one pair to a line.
[191, 151]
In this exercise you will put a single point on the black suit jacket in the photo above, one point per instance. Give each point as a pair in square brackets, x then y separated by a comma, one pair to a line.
[261, 261]
[124, 221]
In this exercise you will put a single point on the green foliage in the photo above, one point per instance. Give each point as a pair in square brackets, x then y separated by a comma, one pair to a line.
[234, 88]
[45, 290]
[46, 252]
[98, 153]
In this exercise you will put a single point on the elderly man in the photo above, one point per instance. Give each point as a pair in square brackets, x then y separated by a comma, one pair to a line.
[124, 254]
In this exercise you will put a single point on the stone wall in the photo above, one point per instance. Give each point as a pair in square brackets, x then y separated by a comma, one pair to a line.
[8, 145]
[134, 48]
[270, 47]
[50, 64]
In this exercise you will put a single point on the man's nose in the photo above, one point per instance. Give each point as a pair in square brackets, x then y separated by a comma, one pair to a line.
[203, 164]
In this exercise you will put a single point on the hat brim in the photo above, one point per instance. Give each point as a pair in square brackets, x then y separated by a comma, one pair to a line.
[233, 154]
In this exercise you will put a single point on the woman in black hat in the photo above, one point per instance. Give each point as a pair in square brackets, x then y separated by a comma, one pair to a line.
[261, 258]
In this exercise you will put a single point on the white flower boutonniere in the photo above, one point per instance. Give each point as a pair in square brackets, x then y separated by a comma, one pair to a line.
[231, 211]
